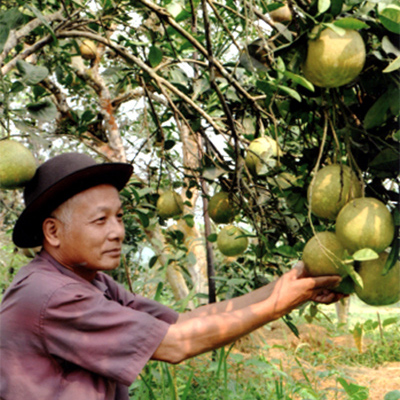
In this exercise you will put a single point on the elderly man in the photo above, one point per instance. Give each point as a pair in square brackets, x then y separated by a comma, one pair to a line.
[68, 331]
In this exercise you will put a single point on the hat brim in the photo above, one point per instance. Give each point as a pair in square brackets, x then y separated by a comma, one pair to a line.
[28, 228]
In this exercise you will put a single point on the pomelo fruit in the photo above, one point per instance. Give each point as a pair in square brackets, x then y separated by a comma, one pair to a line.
[221, 208]
[334, 60]
[229, 243]
[260, 152]
[169, 204]
[17, 165]
[88, 49]
[378, 289]
[332, 187]
[365, 222]
[281, 14]
[323, 254]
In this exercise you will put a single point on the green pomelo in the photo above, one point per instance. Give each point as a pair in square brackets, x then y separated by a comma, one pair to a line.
[260, 152]
[323, 254]
[378, 289]
[229, 243]
[169, 204]
[221, 208]
[17, 165]
[332, 187]
[334, 60]
[365, 223]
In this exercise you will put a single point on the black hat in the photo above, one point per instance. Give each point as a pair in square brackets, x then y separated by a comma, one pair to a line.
[57, 180]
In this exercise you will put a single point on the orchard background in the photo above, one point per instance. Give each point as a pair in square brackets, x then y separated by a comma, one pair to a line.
[180, 89]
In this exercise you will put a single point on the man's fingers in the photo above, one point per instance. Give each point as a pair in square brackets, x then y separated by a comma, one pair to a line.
[326, 281]
[299, 269]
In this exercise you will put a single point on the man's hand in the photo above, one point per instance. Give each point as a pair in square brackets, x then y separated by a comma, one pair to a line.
[296, 287]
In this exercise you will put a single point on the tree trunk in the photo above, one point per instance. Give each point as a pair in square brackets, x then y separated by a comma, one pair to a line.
[342, 310]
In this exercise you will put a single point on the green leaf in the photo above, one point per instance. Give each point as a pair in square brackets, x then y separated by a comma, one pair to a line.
[212, 238]
[390, 18]
[44, 111]
[290, 92]
[376, 115]
[213, 173]
[354, 275]
[155, 56]
[392, 258]
[395, 64]
[40, 16]
[4, 31]
[182, 16]
[323, 5]
[350, 23]
[189, 219]
[191, 257]
[299, 79]
[390, 321]
[169, 144]
[396, 217]
[365, 255]
[87, 116]
[31, 74]
[337, 29]
[287, 251]
[356, 392]
[12, 19]
[144, 219]
[386, 160]
[336, 7]
[17, 87]
[152, 261]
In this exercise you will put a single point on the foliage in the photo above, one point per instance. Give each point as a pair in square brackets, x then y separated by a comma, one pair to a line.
[321, 370]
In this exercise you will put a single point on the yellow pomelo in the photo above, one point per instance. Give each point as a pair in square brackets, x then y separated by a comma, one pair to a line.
[88, 49]
[334, 60]
[169, 204]
[17, 165]
[365, 223]
[259, 152]
[229, 243]
[221, 208]
[332, 187]
[281, 14]
[378, 289]
[323, 254]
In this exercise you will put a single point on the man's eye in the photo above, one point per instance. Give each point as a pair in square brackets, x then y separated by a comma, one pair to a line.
[101, 219]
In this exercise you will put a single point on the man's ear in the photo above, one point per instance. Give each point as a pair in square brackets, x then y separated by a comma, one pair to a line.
[51, 229]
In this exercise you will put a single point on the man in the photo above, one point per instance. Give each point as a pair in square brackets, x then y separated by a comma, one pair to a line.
[68, 331]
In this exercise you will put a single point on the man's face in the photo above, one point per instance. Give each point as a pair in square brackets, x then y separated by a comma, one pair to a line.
[92, 237]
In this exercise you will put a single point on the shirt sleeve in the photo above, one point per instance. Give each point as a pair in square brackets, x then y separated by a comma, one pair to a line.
[137, 302]
[80, 325]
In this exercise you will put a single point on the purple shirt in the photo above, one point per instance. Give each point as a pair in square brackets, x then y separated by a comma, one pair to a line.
[64, 338]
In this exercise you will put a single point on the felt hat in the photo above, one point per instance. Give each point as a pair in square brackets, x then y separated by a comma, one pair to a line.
[57, 180]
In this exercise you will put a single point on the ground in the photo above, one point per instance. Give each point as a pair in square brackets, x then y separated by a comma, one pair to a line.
[316, 342]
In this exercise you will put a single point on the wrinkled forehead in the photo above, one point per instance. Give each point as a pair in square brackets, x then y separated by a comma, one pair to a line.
[104, 196]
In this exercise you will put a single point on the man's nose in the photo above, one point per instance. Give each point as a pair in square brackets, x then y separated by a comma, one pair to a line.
[117, 230]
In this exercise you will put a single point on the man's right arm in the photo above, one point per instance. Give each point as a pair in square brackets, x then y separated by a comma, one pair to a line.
[202, 331]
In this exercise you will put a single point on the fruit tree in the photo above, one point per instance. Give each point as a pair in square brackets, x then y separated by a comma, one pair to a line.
[180, 89]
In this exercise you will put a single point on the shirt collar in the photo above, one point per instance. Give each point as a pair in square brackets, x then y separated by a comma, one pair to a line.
[65, 271]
